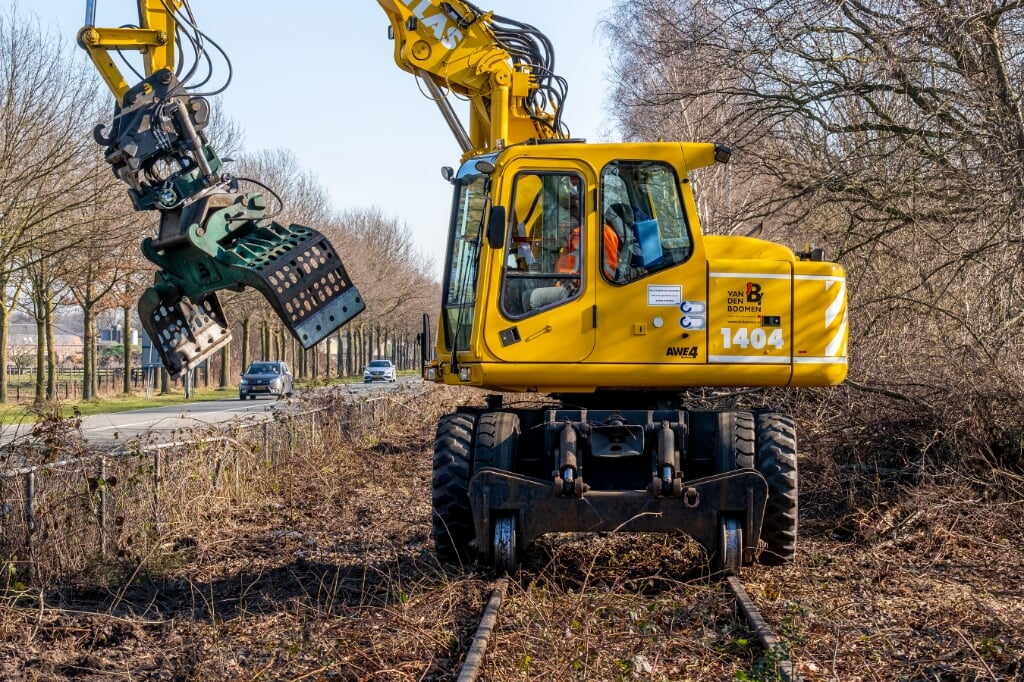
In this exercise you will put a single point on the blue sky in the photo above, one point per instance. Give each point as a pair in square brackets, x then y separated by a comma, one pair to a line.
[318, 77]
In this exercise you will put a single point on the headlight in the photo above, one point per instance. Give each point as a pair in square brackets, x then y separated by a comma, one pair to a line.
[245, 382]
[275, 382]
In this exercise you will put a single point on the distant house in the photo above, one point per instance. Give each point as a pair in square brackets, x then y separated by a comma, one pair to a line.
[21, 347]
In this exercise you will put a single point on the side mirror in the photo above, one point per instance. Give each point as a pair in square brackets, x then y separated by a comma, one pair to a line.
[722, 153]
[424, 340]
[496, 227]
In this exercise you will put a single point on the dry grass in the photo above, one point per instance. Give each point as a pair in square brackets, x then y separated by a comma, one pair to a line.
[319, 566]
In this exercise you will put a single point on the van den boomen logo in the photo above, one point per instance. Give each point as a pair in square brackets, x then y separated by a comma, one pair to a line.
[746, 301]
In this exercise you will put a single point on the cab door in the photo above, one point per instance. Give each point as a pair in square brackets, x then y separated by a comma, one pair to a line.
[545, 307]
[651, 295]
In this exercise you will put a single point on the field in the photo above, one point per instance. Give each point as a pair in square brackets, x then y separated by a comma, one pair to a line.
[321, 567]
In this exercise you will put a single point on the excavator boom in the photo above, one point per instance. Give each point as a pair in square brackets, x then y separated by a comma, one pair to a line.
[504, 67]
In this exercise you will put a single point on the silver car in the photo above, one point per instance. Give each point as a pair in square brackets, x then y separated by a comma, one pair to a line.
[380, 370]
[266, 378]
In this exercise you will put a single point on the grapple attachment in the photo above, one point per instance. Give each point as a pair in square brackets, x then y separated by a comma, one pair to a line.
[184, 333]
[224, 241]
[211, 236]
[300, 274]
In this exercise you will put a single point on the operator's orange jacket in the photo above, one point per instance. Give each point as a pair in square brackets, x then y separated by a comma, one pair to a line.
[568, 262]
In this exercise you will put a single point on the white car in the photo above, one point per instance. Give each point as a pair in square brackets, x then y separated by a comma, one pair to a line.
[380, 370]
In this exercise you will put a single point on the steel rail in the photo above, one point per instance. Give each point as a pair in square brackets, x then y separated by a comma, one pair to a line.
[475, 658]
[771, 644]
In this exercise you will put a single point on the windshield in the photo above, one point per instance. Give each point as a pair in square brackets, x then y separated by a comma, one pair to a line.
[263, 368]
[463, 260]
[380, 363]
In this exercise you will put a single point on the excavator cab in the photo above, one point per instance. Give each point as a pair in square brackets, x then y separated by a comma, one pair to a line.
[577, 268]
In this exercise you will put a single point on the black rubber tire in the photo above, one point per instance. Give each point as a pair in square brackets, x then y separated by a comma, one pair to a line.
[452, 517]
[776, 460]
[497, 437]
[735, 442]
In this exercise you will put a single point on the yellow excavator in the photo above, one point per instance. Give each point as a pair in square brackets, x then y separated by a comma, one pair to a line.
[574, 270]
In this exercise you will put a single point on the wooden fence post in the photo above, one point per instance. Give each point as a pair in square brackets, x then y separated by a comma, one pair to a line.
[102, 482]
[30, 523]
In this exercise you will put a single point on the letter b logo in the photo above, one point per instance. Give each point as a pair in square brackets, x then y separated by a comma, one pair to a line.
[754, 294]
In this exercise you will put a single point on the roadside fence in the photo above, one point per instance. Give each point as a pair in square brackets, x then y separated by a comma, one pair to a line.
[125, 506]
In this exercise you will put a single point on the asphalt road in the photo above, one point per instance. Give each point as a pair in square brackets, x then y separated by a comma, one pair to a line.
[159, 424]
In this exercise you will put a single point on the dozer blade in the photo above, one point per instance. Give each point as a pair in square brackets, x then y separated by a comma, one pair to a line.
[184, 333]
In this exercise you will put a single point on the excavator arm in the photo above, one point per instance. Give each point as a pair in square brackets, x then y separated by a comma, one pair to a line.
[505, 69]
[211, 236]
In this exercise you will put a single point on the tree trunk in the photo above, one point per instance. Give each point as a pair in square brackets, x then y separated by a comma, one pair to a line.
[246, 333]
[225, 365]
[165, 381]
[337, 339]
[126, 384]
[265, 342]
[349, 359]
[40, 359]
[51, 352]
[94, 378]
[87, 383]
[4, 330]
[357, 352]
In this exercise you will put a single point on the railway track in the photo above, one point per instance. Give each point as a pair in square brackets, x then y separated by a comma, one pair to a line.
[473, 665]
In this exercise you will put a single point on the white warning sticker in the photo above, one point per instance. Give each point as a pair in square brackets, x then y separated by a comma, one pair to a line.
[664, 294]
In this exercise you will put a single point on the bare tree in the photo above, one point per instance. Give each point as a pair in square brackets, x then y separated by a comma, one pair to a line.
[393, 277]
[46, 103]
[891, 131]
[105, 258]
[43, 273]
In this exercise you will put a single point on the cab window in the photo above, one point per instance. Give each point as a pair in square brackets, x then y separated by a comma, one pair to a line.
[544, 250]
[641, 205]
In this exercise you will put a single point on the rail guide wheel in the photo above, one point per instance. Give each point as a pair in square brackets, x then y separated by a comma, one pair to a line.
[730, 547]
[503, 546]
